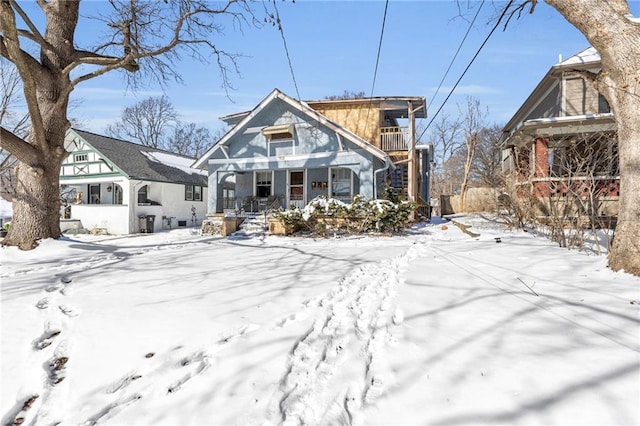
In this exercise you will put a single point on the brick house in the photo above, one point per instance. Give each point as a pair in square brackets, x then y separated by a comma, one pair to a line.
[561, 144]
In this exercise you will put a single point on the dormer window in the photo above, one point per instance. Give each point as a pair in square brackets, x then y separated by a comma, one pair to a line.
[280, 139]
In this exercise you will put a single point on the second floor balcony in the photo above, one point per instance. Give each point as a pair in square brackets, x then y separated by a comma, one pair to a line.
[394, 138]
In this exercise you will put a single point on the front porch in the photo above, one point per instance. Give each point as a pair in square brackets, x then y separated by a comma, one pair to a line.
[249, 193]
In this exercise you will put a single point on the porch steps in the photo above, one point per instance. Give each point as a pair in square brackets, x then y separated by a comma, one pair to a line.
[254, 225]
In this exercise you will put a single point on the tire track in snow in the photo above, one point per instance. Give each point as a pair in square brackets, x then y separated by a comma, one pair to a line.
[339, 366]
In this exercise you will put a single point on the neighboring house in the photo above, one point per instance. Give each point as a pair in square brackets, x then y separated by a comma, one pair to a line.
[113, 182]
[285, 152]
[562, 142]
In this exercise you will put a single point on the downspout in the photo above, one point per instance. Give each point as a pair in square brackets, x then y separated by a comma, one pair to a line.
[387, 164]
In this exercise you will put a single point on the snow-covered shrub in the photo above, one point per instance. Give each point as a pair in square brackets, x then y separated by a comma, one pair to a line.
[327, 216]
[292, 219]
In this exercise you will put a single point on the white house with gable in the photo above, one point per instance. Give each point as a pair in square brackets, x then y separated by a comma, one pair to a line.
[121, 187]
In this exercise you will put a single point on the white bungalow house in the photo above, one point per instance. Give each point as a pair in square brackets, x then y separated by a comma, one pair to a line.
[121, 187]
[286, 152]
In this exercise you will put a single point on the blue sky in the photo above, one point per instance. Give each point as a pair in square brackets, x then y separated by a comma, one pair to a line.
[333, 47]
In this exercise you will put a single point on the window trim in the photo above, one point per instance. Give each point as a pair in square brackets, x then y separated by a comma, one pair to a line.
[146, 194]
[193, 193]
[255, 182]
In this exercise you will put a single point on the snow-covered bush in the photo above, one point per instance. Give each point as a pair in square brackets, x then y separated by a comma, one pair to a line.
[324, 216]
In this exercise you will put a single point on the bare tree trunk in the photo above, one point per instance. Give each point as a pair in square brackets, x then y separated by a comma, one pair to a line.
[36, 203]
[607, 26]
[625, 253]
[36, 206]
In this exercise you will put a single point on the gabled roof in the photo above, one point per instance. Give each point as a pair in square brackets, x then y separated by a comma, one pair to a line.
[587, 59]
[143, 162]
[303, 108]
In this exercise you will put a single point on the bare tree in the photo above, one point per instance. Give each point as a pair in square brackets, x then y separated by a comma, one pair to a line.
[472, 124]
[143, 38]
[487, 165]
[613, 31]
[146, 122]
[190, 139]
[446, 139]
[347, 94]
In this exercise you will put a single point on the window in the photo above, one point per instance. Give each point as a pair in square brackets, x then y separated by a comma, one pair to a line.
[193, 193]
[263, 184]
[143, 195]
[80, 158]
[341, 182]
[280, 139]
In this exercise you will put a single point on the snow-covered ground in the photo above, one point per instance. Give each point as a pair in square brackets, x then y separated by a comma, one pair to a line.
[436, 327]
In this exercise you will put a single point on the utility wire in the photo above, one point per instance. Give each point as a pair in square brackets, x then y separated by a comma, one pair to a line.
[375, 71]
[286, 49]
[456, 54]
[504, 12]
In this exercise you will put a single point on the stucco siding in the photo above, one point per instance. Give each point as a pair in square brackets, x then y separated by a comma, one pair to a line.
[309, 135]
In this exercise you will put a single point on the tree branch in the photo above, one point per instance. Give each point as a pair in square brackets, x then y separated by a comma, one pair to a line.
[19, 148]
[34, 34]
[29, 69]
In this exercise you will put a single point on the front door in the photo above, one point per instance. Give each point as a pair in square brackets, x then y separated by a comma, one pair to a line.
[296, 189]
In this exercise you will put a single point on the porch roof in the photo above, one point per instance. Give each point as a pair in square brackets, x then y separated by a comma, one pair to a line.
[555, 126]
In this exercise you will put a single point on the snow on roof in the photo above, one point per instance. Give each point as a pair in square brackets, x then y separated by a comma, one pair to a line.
[586, 56]
[181, 163]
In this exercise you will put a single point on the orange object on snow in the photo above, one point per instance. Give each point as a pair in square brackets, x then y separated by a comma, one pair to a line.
[444, 227]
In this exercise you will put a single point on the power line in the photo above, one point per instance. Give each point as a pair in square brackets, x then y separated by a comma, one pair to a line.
[456, 54]
[504, 12]
[286, 49]
[375, 72]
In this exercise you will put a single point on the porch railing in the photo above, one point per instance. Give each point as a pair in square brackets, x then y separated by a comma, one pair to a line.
[603, 186]
[394, 138]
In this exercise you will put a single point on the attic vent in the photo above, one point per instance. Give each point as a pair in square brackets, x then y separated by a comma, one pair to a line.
[282, 131]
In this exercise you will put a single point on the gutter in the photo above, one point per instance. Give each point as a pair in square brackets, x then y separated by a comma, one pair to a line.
[387, 165]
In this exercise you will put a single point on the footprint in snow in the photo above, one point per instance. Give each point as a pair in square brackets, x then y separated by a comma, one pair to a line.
[124, 382]
[201, 362]
[68, 311]
[45, 340]
[42, 303]
[61, 285]
[56, 367]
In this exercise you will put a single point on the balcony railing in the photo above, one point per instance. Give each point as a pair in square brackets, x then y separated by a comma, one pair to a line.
[394, 138]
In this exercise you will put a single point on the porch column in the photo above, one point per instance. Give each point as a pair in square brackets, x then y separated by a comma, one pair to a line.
[412, 184]
[541, 166]
[212, 192]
